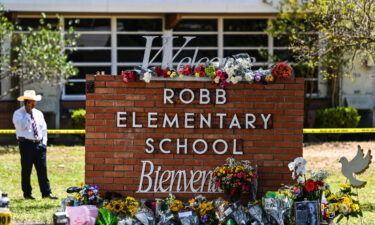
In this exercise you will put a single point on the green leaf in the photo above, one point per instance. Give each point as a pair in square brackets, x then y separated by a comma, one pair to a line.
[106, 217]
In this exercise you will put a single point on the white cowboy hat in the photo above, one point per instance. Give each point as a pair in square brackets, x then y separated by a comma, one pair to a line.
[29, 95]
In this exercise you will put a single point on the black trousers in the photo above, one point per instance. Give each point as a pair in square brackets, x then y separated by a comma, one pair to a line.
[34, 154]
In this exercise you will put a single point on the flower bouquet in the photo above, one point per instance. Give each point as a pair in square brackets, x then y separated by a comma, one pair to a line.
[234, 177]
[122, 207]
[307, 189]
[205, 209]
[343, 204]
[86, 194]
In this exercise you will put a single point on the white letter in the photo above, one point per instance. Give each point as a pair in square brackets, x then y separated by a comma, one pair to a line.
[150, 119]
[192, 180]
[265, 120]
[161, 145]
[156, 179]
[250, 122]
[146, 175]
[136, 125]
[179, 146]
[120, 118]
[204, 93]
[235, 148]
[187, 120]
[206, 121]
[161, 181]
[148, 143]
[235, 122]
[204, 149]
[174, 121]
[220, 93]
[169, 96]
[225, 146]
[182, 95]
[221, 115]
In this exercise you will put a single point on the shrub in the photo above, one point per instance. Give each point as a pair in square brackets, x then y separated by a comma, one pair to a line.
[78, 117]
[339, 117]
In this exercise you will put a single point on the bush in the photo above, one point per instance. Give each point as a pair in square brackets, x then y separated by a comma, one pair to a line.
[339, 117]
[78, 117]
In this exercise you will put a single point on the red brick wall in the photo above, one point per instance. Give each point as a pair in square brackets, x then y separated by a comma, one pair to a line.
[6, 114]
[113, 155]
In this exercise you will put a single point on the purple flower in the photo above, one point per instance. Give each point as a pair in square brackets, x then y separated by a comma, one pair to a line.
[257, 77]
[204, 219]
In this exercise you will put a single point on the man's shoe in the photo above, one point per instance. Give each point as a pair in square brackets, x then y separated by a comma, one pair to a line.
[50, 196]
[30, 197]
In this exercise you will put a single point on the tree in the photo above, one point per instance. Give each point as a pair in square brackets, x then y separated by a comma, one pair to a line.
[327, 34]
[38, 55]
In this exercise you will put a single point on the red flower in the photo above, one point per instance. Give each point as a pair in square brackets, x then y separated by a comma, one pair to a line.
[128, 76]
[319, 184]
[200, 70]
[310, 186]
[165, 73]
[282, 70]
[233, 190]
[186, 70]
[158, 71]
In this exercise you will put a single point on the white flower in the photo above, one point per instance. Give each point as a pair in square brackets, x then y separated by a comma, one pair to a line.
[249, 76]
[301, 179]
[229, 71]
[235, 79]
[300, 161]
[147, 77]
[291, 166]
[301, 170]
[217, 80]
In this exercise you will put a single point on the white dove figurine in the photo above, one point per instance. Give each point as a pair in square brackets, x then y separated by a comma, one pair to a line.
[357, 165]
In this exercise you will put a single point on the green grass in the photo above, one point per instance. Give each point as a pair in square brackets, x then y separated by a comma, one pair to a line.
[326, 156]
[66, 168]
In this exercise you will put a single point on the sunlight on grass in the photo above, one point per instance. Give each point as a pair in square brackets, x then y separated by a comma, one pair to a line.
[65, 168]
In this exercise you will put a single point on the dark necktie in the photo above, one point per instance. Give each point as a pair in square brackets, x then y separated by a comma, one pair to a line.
[33, 123]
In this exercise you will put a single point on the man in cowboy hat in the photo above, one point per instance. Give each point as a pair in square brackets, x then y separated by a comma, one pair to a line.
[31, 131]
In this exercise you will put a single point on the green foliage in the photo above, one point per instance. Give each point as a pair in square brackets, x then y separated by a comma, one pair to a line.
[339, 117]
[39, 54]
[327, 34]
[106, 217]
[78, 117]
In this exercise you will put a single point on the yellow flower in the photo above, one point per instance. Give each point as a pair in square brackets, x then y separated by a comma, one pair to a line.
[181, 76]
[345, 186]
[78, 196]
[169, 73]
[344, 209]
[191, 200]
[332, 208]
[176, 206]
[205, 207]
[347, 200]
[355, 207]
[197, 74]
[331, 197]
[327, 192]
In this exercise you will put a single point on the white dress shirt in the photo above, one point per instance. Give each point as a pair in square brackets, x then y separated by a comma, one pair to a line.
[23, 124]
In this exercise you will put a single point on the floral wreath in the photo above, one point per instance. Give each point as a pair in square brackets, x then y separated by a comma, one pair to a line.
[234, 69]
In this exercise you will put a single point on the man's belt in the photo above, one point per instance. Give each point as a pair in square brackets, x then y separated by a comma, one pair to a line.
[22, 139]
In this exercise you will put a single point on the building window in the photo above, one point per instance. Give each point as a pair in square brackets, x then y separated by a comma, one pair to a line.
[93, 53]
[131, 44]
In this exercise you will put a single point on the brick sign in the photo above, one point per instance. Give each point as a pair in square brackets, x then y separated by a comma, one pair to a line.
[148, 139]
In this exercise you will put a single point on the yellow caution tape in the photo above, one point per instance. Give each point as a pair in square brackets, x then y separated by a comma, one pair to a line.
[70, 131]
[337, 130]
[305, 131]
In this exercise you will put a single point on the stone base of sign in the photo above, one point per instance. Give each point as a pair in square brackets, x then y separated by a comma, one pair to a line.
[115, 154]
